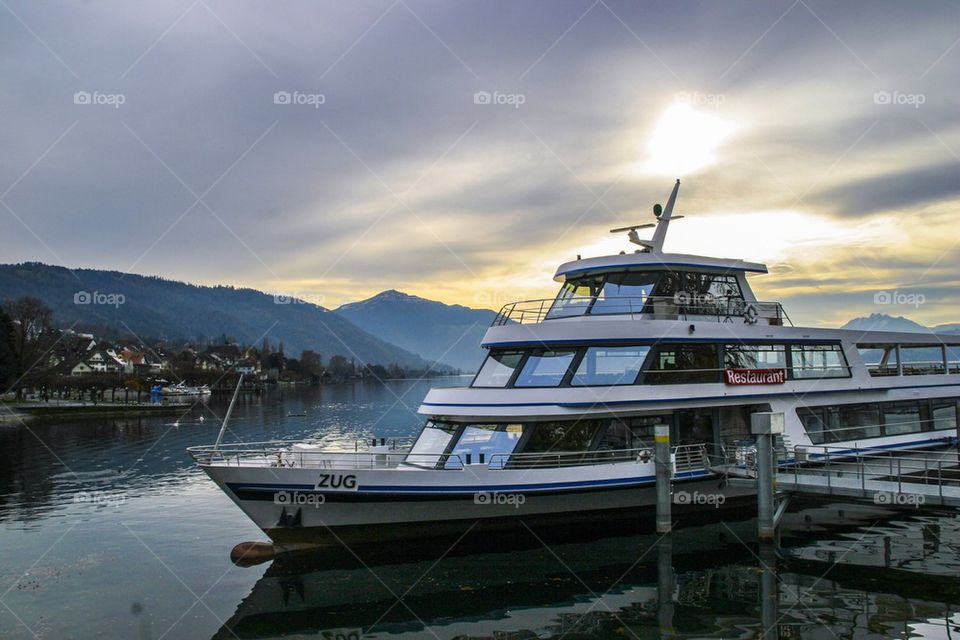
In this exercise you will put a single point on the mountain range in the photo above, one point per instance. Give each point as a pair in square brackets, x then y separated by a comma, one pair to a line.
[884, 322]
[390, 327]
[436, 331]
[112, 304]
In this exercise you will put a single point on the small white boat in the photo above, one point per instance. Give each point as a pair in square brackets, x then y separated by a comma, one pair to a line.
[559, 421]
[182, 389]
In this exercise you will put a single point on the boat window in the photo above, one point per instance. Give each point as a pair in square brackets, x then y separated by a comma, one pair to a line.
[944, 414]
[432, 442]
[760, 356]
[668, 285]
[625, 292]
[921, 360]
[851, 422]
[610, 365]
[712, 285]
[813, 424]
[575, 297]
[498, 368]
[683, 363]
[859, 421]
[818, 361]
[556, 437]
[643, 429]
[901, 417]
[545, 368]
[479, 443]
[880, 359]
[616, 437]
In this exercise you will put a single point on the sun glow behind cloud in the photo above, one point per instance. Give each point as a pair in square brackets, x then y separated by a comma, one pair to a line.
[684, 141]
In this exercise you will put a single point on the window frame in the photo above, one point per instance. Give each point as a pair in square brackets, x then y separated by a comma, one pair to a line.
[523, 357]
[582, 354]
[564, 379]
[844, 367]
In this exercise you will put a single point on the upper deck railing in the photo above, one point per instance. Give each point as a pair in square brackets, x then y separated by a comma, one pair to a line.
[678, 307]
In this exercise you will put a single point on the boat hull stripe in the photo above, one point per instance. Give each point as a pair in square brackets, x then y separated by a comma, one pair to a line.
[466, 489]
[609, 403]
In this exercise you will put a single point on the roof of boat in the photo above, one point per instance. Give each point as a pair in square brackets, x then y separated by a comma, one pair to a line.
[644, 259]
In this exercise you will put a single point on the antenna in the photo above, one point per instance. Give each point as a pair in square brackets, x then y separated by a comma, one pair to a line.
[663, 216]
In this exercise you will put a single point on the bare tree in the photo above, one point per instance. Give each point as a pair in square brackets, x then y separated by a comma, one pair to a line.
[33, 335]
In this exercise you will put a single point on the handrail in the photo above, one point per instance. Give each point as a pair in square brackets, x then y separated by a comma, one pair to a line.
[889, 464]
[682, 306]
[552, 459]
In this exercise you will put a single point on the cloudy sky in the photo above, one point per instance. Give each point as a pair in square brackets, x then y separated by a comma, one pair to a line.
[336, 149]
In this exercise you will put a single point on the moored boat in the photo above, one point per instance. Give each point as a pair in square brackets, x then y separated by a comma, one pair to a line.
[558, 423]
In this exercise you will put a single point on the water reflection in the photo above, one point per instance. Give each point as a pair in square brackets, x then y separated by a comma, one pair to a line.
[709, 581]
[51, 465]
[108, 529]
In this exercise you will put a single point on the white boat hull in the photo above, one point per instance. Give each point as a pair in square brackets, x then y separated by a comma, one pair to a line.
[290, 505]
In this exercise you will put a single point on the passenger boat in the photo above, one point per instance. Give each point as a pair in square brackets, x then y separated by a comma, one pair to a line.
[558, 423]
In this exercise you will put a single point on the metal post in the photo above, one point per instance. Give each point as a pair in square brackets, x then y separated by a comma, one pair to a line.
[664, 468]
[769, 594]
[764, 426]
[665, 587]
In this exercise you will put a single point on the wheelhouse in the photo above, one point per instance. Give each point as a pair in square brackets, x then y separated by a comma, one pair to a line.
[653, 289]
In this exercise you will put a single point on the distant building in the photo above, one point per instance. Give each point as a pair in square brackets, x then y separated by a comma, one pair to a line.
[247, 366]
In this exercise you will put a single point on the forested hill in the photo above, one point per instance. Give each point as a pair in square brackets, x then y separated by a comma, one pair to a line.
[154, 308]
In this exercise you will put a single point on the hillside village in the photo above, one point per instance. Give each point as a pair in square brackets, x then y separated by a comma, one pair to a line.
[39, 358]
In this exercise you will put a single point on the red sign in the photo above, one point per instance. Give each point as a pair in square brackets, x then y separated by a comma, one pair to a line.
[755, 376]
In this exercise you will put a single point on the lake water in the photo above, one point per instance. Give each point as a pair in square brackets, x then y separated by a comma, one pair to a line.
[109, 531]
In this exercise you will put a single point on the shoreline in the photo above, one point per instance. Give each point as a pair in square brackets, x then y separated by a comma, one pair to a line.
[22, 411]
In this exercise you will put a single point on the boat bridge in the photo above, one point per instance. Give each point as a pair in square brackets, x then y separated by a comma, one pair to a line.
[903, 477]
[910, 478]
[889, 477]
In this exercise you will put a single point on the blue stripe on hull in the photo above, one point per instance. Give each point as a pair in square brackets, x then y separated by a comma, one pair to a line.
[470, 489]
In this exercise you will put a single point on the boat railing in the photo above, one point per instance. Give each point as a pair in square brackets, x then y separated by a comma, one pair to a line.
[904, 466]
[914, 368]
[678, 307]
[555, 459]
[690, 457]
[284, 454]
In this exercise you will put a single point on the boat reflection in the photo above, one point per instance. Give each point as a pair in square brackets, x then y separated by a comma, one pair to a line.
[708, 581]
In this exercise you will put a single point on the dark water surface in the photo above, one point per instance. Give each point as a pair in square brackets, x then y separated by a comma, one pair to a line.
[109, 531]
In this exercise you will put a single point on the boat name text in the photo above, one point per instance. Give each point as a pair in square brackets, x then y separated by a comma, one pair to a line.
[336, 481]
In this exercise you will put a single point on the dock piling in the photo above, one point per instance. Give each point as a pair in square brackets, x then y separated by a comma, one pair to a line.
[664, 467]
[765, 426]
